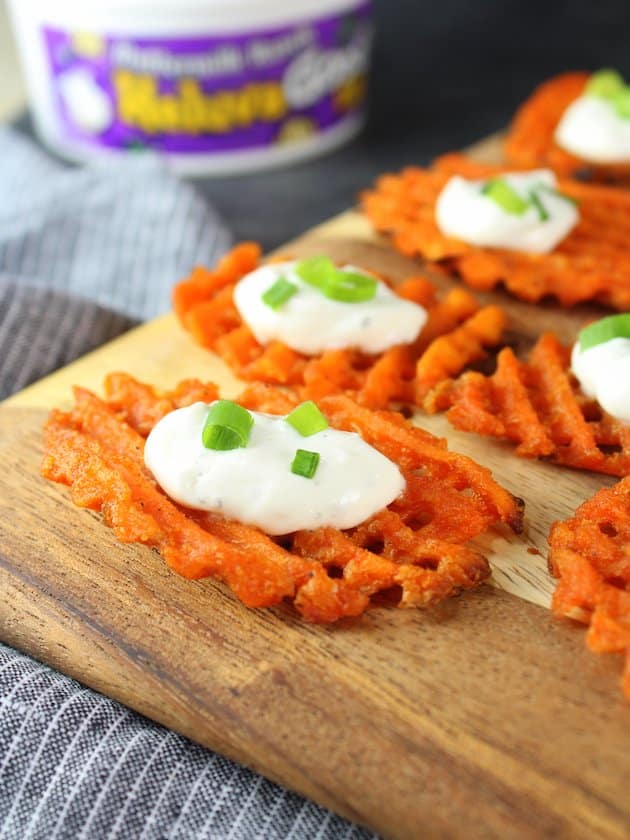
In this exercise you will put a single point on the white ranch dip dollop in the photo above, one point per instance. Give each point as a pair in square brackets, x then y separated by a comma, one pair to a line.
[603, 372]
[255, 485]
[464, 212]
[592, 129]
[310, 322]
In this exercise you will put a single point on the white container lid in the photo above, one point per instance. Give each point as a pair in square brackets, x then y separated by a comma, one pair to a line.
[146, 17]
[166, 24]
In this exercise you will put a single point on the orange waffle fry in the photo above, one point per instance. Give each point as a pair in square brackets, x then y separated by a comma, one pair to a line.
[538, 405]
[590, 554]
[591, 263]
[415, 549]
[457, 333]
[530, 140]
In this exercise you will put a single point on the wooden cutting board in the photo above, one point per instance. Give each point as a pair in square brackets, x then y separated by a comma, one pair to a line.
[482, 718]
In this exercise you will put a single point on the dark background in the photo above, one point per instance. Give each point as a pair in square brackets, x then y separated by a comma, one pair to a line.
[446, 73]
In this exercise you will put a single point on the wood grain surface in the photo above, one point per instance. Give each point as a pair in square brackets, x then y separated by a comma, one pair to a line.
[482, 718]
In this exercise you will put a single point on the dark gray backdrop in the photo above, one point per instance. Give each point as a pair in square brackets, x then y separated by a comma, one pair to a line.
[446, 72]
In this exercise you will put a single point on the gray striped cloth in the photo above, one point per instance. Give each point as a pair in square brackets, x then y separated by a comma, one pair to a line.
[83, 255]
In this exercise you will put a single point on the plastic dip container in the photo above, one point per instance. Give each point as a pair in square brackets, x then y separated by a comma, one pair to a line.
[215, 86]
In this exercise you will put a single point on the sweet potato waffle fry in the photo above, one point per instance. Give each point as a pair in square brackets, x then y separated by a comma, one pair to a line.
[416, 548]
[457, 333]
[591, 263]
[590, 554]
[530, 140]
[538, 405]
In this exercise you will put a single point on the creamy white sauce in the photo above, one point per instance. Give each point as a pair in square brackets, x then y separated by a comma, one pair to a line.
[603, 372]
[592, 129]
[86, 102]
[464, 212]
[310, 322]
[255, 485]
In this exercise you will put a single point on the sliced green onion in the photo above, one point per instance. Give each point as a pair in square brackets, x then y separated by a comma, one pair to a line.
[506, 197]
[305, 463]
[279, 293]
[307, 419]
[335, 283]
[543, 215]
[605, 84]
[608, 84]
[316, 270]
[614, 326]
[227, 426]
[350, 287]
[621, 101]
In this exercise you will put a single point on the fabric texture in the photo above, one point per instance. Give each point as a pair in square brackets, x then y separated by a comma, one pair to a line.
[119, 234]
[83, 255]
[42, 330]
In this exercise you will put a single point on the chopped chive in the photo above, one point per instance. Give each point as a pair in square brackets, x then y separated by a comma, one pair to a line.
[621, 101]
[335, 283]
[608, 84]
[221, 438]
[543, 215]
[279, 293]
[316, 270]
[605, 84]
[305, 463]
[506, 197]
[350, 287]
[307, 419]
[228, 426]
[614, 326]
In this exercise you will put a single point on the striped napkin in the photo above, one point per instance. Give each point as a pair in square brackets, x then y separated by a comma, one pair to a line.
[85, 254]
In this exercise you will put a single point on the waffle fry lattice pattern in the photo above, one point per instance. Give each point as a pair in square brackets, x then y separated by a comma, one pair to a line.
[590, 554]
[591, 263]
[415, 550]
[530, 140]
[457, 333]
[538, 405]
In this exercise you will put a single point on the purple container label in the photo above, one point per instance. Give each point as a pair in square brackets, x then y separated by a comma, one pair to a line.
[210, 94]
